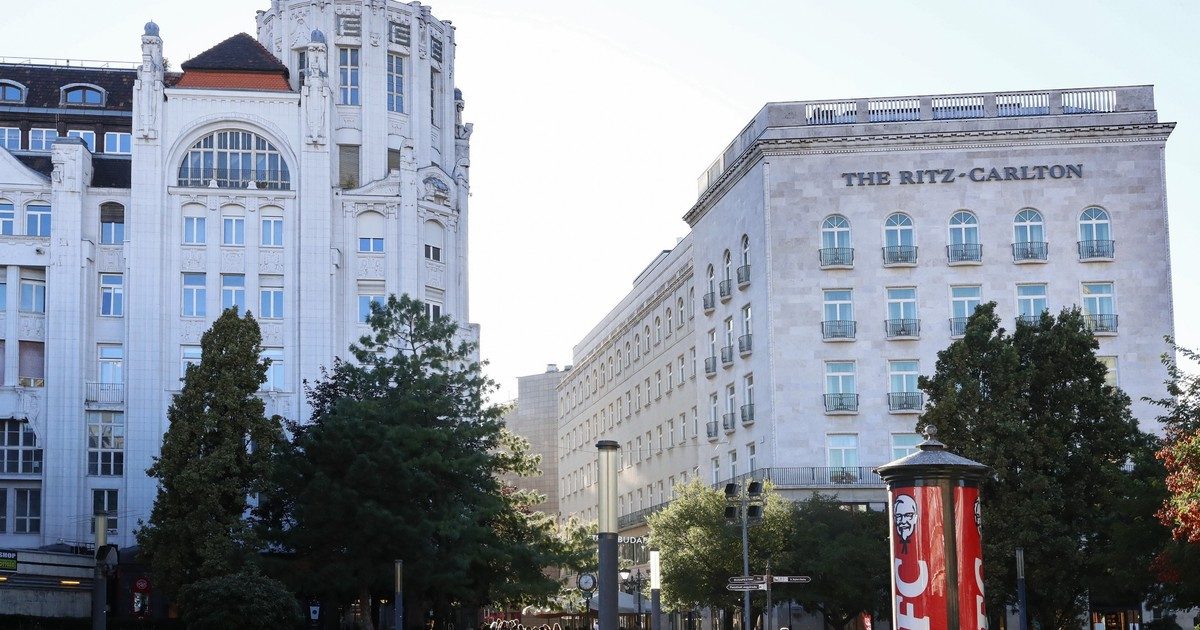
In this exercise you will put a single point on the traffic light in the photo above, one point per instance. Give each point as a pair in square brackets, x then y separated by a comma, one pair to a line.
[753, 512]
[731, 513]
[731, 491]
[754, 490]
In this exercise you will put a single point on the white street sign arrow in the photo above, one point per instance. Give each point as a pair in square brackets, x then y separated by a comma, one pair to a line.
[748, 579]
[747, 587]
[792, 579]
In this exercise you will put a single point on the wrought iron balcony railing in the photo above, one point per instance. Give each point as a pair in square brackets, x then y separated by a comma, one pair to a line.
[841, 402]
[900, 255]
[729, 422]
[1030, 250]
[903, 328]
[810, 476]
[1028, 320]
[727, 355]
[958, 326]
[105, 393]
[711, 428]
[710, 301]
[748, 414]
[745, 344]
[725, 288]
[837, 257]
[905, 401]
[1101, 323]
[1097, 250]
[710, 366]
[964, 252]
[743, 275]
[839, 329]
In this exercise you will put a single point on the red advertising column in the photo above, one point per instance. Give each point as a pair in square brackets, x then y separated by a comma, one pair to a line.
[937, 562]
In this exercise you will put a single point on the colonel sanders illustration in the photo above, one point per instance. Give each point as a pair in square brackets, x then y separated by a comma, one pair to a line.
[904, 511]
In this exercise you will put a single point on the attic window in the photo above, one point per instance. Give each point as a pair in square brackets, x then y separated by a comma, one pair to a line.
[11, 92]
[435, 47]
[82, 95]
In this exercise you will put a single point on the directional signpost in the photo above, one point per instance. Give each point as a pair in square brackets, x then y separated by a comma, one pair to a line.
[791, 579]
[749, 579]
[761, 586]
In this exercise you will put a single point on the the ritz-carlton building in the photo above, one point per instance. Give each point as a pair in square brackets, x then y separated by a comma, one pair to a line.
[835, 248]
[301, 175]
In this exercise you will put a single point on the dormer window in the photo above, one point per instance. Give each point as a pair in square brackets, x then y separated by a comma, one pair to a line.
[11, 92]
[82, 95]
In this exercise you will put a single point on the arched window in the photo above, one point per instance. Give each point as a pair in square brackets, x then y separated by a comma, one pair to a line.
[619, 364]
[964, 238]
[899, 241]
[691, 305]
[112, 223]
[435, 237]
[12, 92]
[835, 232]
[1028, 227]
[646, 339]
[234, 159]
[82, 94]
[637, 344]
[371, 226]
[728, 265]
[670, 321]
[1095, 234]
[712, 280]
[745, 250]
[658, 330]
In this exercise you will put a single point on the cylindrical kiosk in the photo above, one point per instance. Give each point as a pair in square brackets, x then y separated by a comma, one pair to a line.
[937, 559]
[606, 537]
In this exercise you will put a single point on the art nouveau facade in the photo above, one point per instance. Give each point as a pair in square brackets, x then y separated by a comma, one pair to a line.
[300, 175]
[837, 246]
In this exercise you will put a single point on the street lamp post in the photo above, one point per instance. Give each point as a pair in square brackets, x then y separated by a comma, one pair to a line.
[606, 495]
[637, 581]
[744, 508]
[656, 622]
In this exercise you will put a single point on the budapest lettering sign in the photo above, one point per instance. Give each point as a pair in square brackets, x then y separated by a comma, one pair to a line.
[951, 176]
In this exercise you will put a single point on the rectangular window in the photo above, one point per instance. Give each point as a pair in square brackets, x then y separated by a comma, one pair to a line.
[193, 231]
[348, 75]
[117, 142]
[272, 231]
[112, 224]
[37, 220]
[839, 305]
[963, 301]
[716, 470]
[748, 389]
[10, 138]
[840, 377]
[842, 450]
[28, 513]
[8, 217]
[275, 371]
[111, 368]
[671, 433]
[188, 355]
[348, 155]
[233, 291]
[902, 303]
[364, 304]
[112, 295]
[1098, 298]
[751, 457]
[747, 322]
[233, 230]
[19, 452]
[1031, 301]
[33, 296]
[433, 310]
[370, 245]
[733, 468]
[395, 83]
[195, 295]
[88, 137]
[434, 91]
[270, 303]
[42, 139]
[105, 502]
[714, 408]
[1110, 364]
[3, 510]
[904, 444]
[31, 364]
[902, 376]
[106, 443]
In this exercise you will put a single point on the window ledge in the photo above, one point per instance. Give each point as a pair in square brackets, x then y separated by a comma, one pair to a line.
[841, 413]
[1031, 261]
[905, 412]
[964, 263]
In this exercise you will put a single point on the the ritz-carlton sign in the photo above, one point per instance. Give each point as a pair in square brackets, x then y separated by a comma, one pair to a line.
[950, 175]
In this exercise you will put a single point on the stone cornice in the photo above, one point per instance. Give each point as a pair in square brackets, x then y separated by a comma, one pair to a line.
[948, 140]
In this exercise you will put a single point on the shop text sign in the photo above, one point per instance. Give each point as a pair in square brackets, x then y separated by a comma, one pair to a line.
[8, 561]
[950, 175]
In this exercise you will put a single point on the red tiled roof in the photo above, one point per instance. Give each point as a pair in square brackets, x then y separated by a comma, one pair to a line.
[234, 80]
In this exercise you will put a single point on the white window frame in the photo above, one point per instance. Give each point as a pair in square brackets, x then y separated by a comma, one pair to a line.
[233, 291]
[271, 231]
[349, 68]
[903, 375]
[112, 295]
[835, 232]
[845, 447]
[195, 293]
[233, 230]
[121, 142]
[194, 230]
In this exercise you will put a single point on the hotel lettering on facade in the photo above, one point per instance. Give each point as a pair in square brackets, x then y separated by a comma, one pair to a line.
[301, 174]
[835, 248]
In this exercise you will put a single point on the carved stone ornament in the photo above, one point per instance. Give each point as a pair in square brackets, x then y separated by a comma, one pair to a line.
[435, 274]
[272, 333]
[31, 402]
[192, 329]
[192, 259]
[270, 261]
[31, 327]
[111, 259]
[436, 191]
[370, 267]
[233, 261]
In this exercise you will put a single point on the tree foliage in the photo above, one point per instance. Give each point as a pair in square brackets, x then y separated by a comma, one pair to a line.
[1181, 452]
[1035, 407]
[245, 600]
[216, 453]
[401, 460]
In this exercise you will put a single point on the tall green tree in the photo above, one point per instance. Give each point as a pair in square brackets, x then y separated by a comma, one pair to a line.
[216, 453]
[401, 460]
[1035, 407]
[1181, 452]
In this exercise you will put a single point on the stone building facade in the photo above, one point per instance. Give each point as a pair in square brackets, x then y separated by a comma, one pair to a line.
[301, 174]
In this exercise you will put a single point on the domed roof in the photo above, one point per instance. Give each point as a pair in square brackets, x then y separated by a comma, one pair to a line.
[151, 29]
[317, 36]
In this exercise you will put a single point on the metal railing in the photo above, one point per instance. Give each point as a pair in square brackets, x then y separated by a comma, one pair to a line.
[709, 301]
[270, 179]
[900, 255]
[710, 365]
[105, 393]
[745, 344]
[964, 252]
[711, 428]
[1028, 320]
[836, 256]
[638, 517]
[726, 355]
[905, 401]
[729, 422]
[841, 402]
[725, 288]
[1030, 250]
[1101, 323]
[903, 327]
[1093, 250]
[958, 326]
[743, 275]
[839, 329]
[748, 414]
[810, 477]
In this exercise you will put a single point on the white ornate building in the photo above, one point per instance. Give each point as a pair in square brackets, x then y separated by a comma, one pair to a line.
[835, 248]
[300, 175]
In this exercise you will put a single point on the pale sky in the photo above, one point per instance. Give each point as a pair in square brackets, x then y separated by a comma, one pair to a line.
[594, 118]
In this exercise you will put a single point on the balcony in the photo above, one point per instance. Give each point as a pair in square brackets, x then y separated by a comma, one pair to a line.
[1101, 324]
[727, 356]
[743, 276]
[903, 328]
[725, 288]
[1030, 251]
[964, 253]
[729, 422]
[637, 518]
[1097, 250]
[709, 301]
[747, 415]
[711, 428]
[105, 393]
[710, 366]
[1028, 320]
[841, 403]
[900, 255]
[837, 257]
[839, 329]
[905, 401]
[958, 326]
[745, 344]
[811, 477]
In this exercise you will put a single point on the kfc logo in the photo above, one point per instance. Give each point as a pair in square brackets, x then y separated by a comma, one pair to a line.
[904, 511]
